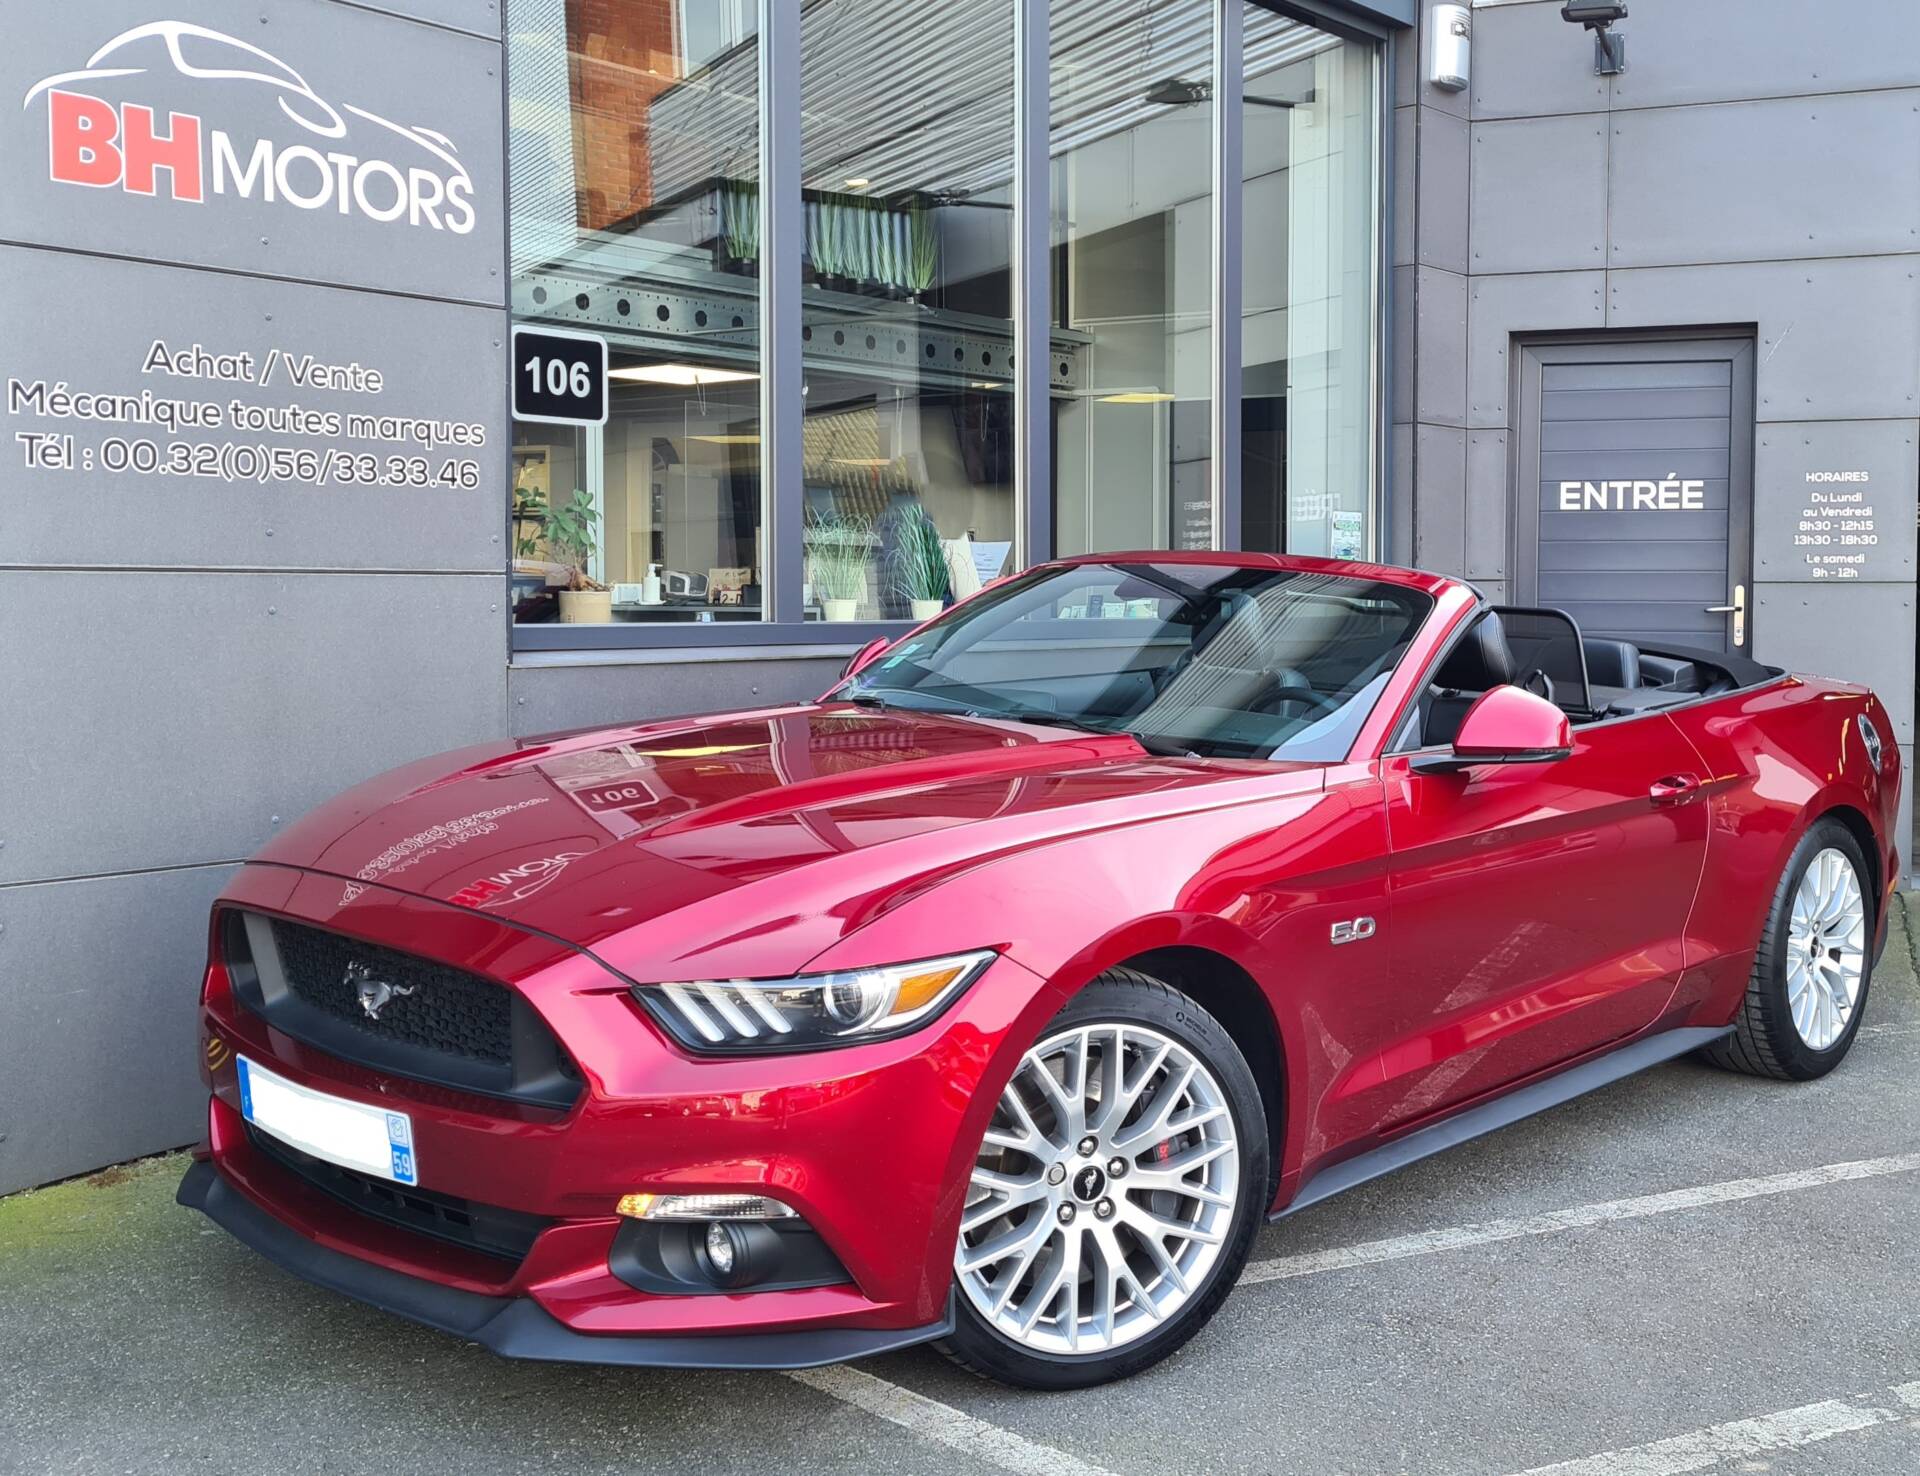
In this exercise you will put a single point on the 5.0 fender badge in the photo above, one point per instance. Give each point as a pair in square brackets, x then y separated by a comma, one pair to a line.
[1354, 930]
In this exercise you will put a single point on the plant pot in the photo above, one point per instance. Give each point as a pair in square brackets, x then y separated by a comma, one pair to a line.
[838, 611]
[586, 606]
[925, 609]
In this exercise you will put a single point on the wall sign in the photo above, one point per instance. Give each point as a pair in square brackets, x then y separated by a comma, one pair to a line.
[1837, 524]
[1835, 501]
[291, 139]
[1628, 494]
[559, 377]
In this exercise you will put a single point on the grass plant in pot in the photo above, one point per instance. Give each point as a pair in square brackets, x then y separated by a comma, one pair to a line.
[573, 540]
[919, 562]
[838, 550]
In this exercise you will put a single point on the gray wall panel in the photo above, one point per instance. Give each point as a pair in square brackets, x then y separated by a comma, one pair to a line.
[1440, 531]
[482, 17]
[1486, 504]
[165, 719]
[408, 76]
[1526, 60]
[1794, 477]
[1443, 205]
[1690, 184]
[1712, 50]
[1857, 632]
[1499, 307]
[550, 697]
[1838, 339]
[1539, 191]
[98, 1056]
[64, 319]
[1440, 347]
[1405, 163]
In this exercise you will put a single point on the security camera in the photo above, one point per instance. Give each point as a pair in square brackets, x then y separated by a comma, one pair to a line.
[1609, 47]
[1595, 15]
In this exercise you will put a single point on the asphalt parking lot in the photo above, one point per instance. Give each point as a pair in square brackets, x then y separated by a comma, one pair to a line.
[1689, 1271]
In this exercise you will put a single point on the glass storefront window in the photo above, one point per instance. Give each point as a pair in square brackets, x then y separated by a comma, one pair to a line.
[1308, 333]
[1132, 144]
[906, 169]
[634, 159]
[637, 189]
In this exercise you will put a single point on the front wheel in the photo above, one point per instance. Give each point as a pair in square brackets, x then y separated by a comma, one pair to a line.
[1116, 1194]
[1808, 988]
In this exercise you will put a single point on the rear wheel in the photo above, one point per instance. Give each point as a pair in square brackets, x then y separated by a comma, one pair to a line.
[1810, 976]
[1116, 1194]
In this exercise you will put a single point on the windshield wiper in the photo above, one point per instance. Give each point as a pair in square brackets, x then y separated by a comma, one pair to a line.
[1164, 747]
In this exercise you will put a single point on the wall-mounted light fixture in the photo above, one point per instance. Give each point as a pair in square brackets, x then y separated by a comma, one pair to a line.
[1609, 46]
[1450, 57]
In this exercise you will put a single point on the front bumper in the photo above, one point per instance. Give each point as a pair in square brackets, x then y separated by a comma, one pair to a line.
[869, 1145]
[518, 1326]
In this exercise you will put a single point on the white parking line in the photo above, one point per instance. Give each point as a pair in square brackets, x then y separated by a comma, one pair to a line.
[1430, 1242]
[943, 1424]
[1789, 1429]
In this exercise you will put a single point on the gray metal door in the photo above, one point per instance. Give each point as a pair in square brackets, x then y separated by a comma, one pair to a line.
[1633, 507]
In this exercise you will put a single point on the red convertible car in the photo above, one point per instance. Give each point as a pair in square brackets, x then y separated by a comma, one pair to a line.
[999, 995]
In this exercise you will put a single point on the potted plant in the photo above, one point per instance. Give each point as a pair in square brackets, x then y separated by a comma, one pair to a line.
[529, 519]
[573, 540]
[837, 551]
[919, 562]
[923, 250]
[740, 227]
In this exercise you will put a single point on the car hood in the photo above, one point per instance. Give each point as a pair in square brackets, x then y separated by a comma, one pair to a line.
[748, 841]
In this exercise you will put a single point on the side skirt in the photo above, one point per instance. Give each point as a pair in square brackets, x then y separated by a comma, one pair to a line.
[1477, 1122]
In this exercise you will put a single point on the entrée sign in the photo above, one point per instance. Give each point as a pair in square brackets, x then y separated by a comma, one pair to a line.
[1673, 494]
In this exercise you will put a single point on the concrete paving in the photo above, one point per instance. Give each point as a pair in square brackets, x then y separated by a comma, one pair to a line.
[134, 1337]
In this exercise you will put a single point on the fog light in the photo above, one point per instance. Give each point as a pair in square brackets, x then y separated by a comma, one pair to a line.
[720, 1250]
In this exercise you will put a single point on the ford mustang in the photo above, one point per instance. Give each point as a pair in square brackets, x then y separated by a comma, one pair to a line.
[998, 996]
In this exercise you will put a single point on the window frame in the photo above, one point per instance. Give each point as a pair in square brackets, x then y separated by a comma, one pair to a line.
[781, 344]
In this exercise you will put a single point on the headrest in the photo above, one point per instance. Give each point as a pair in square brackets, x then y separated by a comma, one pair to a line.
[1482, 660]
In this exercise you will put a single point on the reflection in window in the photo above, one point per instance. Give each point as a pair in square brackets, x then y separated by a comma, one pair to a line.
[1132, 147]
[635, 177]
[1307, 330]
[906, 169]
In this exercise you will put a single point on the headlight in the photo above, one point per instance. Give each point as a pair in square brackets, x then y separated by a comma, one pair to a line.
[725, 1017]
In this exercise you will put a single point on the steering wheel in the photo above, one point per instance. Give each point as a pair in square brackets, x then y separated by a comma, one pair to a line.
[1319, 702]
[1545, 688]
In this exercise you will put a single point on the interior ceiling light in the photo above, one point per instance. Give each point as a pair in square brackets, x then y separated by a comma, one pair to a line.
[858, 182]
[1136, 397]
[861, 461]
[747, 440]
[680, 374]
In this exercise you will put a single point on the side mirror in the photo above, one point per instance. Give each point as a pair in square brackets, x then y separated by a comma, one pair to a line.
[1507, 725]
[865, 656]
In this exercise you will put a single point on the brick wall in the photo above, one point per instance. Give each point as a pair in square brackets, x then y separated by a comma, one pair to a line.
[622, 55]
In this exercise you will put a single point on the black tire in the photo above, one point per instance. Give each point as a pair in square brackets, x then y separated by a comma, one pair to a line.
[1129, 997]
[1764, 1041]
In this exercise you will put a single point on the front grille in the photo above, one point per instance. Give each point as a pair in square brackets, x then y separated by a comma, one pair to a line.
[429, 1005]
[429, 1021]
[505, 1234]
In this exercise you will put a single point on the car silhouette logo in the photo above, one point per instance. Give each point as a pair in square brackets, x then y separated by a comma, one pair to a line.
[374, 994]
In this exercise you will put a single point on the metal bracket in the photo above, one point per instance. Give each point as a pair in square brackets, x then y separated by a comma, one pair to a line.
[1609, 52]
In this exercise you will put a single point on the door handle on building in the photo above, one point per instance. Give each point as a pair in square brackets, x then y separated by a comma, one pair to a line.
[1738, 609]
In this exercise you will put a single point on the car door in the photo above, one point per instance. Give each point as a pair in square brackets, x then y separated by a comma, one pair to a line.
[1536, 910]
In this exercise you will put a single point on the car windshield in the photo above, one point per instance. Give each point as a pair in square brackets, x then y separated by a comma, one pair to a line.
[1204, 659]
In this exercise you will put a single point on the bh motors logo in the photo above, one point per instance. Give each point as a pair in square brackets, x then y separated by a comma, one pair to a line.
[344, 159]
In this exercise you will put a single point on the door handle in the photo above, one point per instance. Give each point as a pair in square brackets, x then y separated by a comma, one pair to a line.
[1675, 789]
[1738, 610]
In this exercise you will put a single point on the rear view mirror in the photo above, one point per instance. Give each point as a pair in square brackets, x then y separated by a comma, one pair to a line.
[865, 656]
[1507, 725]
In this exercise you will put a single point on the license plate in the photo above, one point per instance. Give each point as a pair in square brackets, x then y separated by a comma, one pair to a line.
[350, 1134]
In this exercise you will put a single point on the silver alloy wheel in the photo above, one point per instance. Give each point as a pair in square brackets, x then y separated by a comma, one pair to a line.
[1826, 949]
[1103, 1192]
